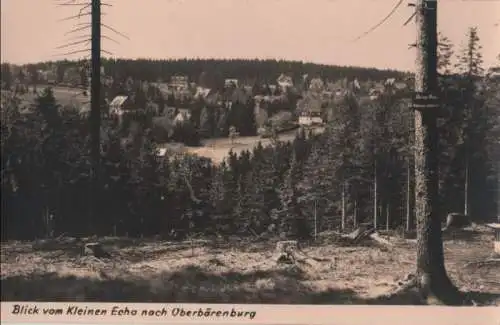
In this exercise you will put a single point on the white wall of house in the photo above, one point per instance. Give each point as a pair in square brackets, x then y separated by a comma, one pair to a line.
[316, 120]
[310, 119]
[305, 120]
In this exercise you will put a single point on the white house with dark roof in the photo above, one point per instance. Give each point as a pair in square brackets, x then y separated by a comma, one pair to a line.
[119, 105]
[231, 82]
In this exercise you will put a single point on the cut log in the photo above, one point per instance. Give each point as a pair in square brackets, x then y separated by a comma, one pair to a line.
[96, 250]
[359, 234]
[375, 236]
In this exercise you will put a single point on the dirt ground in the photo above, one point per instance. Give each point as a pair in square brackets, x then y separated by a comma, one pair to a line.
[159, 271]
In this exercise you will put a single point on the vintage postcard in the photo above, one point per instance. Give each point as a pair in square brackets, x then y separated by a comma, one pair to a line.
[258, 161]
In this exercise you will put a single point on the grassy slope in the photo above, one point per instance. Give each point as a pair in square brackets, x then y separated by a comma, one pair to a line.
[155, 271]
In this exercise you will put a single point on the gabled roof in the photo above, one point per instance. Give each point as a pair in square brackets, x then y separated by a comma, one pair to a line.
[284, 78]
[118, 100]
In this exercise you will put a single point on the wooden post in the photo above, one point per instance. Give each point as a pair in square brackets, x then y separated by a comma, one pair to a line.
[431, 271]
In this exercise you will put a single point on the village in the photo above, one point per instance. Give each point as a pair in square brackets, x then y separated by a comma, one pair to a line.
[281, 106]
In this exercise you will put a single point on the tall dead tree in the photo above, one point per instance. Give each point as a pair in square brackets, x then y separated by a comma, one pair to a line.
[92, 9]
[431, 277]
[95, 105]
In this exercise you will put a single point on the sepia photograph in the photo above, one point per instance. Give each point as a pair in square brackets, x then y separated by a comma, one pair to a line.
[321, 152]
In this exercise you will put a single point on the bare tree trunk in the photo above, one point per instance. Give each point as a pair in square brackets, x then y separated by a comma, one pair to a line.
[343, 206]
[387, 217]
[375, 199]
[95, 112]
[431, 277]
[355, 217]
[408, 197]
[315, 220]
[466, 186]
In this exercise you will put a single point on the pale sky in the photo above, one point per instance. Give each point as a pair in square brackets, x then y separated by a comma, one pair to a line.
[319, 31]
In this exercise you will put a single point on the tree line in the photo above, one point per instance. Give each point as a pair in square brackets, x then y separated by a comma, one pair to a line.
[211, 73]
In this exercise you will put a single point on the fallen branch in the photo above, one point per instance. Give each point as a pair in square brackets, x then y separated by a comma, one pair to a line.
[489, 261]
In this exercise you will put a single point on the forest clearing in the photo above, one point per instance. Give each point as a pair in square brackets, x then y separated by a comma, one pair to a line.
[239, 271]
[218, 149]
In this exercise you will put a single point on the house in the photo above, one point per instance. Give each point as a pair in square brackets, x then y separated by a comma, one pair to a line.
[163, 87]
[84, 110]
[182, 116]
[201, 92]
[376, 91]
[310, 112]
[119, 105]
[340, 92]
[494, 73]
[311, 118]
[400, 86]
[231, 82]
[284, 82]
[390, 81]
[179, 82]
[316, 84]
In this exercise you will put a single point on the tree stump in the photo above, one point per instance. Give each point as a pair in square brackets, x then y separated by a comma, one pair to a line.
[96, 250]
[285, 251]
[456, 220]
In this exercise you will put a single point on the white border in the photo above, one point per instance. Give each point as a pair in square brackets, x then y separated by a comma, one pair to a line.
[264, 314]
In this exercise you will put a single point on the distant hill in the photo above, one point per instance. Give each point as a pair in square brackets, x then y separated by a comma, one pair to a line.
[212, 72]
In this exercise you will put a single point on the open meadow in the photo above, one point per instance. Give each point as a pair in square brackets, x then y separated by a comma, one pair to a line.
[65, 96]
[238, 271]
[219, 148]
